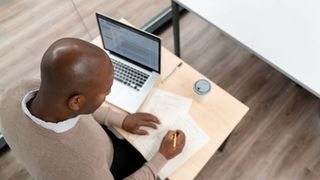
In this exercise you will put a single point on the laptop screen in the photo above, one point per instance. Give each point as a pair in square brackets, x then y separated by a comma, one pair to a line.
[137, 46]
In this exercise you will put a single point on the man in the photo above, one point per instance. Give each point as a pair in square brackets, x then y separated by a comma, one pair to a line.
[53, 127]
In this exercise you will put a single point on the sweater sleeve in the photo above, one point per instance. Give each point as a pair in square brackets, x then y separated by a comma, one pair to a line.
[106, 116]
[150, 169]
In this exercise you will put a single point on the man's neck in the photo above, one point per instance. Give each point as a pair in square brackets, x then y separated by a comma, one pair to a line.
[46, 111]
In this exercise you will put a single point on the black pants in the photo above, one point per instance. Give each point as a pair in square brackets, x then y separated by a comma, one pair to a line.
[126, 159]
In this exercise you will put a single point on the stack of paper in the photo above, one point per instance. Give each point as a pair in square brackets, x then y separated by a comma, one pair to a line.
[172, 110]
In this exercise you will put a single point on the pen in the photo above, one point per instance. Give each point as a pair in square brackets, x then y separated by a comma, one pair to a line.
[172, 72]
[174, 140]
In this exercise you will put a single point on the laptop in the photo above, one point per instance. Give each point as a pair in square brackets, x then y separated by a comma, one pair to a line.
[135, 55]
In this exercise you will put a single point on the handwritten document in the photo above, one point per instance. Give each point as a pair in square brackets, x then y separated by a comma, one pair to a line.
[172, 110]
[166, 105]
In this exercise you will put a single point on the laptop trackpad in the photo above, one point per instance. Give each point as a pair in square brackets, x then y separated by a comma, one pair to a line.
[125, 97]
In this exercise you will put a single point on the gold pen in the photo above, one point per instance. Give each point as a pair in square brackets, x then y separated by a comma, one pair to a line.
[171, 72]
[174, 140]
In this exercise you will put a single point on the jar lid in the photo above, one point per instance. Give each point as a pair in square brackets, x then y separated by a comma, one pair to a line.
[202, 87]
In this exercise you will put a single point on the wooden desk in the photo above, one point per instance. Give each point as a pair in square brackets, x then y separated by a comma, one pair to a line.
[218, 115]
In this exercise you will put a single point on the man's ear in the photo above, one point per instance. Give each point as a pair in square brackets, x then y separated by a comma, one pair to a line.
[75, 102]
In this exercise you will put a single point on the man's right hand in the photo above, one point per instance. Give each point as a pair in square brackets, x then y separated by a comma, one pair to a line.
[166, 147]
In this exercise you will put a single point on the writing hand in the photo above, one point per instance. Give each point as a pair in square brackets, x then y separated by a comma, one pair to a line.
[167, 149]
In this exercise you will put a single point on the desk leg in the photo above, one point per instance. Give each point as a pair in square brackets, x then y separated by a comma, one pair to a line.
[221, 148]
[175, 25]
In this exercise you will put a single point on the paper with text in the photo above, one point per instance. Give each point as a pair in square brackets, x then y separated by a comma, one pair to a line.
[172, 110]
[166, 106]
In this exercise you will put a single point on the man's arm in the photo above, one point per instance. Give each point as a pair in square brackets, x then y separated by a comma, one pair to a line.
[150, 169]
[106, 116]
[131, 123]
[166, 152]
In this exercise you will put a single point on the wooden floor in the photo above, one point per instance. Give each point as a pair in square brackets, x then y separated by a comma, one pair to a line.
[279, 138]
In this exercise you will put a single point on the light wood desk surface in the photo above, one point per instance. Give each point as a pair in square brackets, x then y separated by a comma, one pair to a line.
[218, 115]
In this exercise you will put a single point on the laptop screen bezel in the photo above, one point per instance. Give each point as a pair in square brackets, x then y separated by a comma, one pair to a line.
[143, 33]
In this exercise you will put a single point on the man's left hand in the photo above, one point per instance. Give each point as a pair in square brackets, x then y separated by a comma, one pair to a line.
[133, 122]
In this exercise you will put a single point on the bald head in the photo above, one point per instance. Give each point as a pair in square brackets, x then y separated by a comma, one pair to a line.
[72, 66]
[76, 76]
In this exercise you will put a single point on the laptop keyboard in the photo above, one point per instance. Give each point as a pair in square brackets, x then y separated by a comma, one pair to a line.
[129, 76]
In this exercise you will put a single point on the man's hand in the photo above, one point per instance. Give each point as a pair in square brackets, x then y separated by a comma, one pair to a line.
[133, 122]
[167, 148]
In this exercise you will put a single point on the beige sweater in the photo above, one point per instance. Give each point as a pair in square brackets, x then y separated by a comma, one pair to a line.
[84, 152]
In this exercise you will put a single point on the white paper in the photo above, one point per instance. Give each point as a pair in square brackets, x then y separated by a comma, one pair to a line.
[172, 110]
[166, 106]
[196, 138]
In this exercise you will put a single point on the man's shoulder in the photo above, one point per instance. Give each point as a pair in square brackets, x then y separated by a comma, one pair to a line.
[20, 86]
[15, 92]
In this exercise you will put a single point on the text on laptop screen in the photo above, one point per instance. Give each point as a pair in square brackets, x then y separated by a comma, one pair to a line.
[130, 44]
